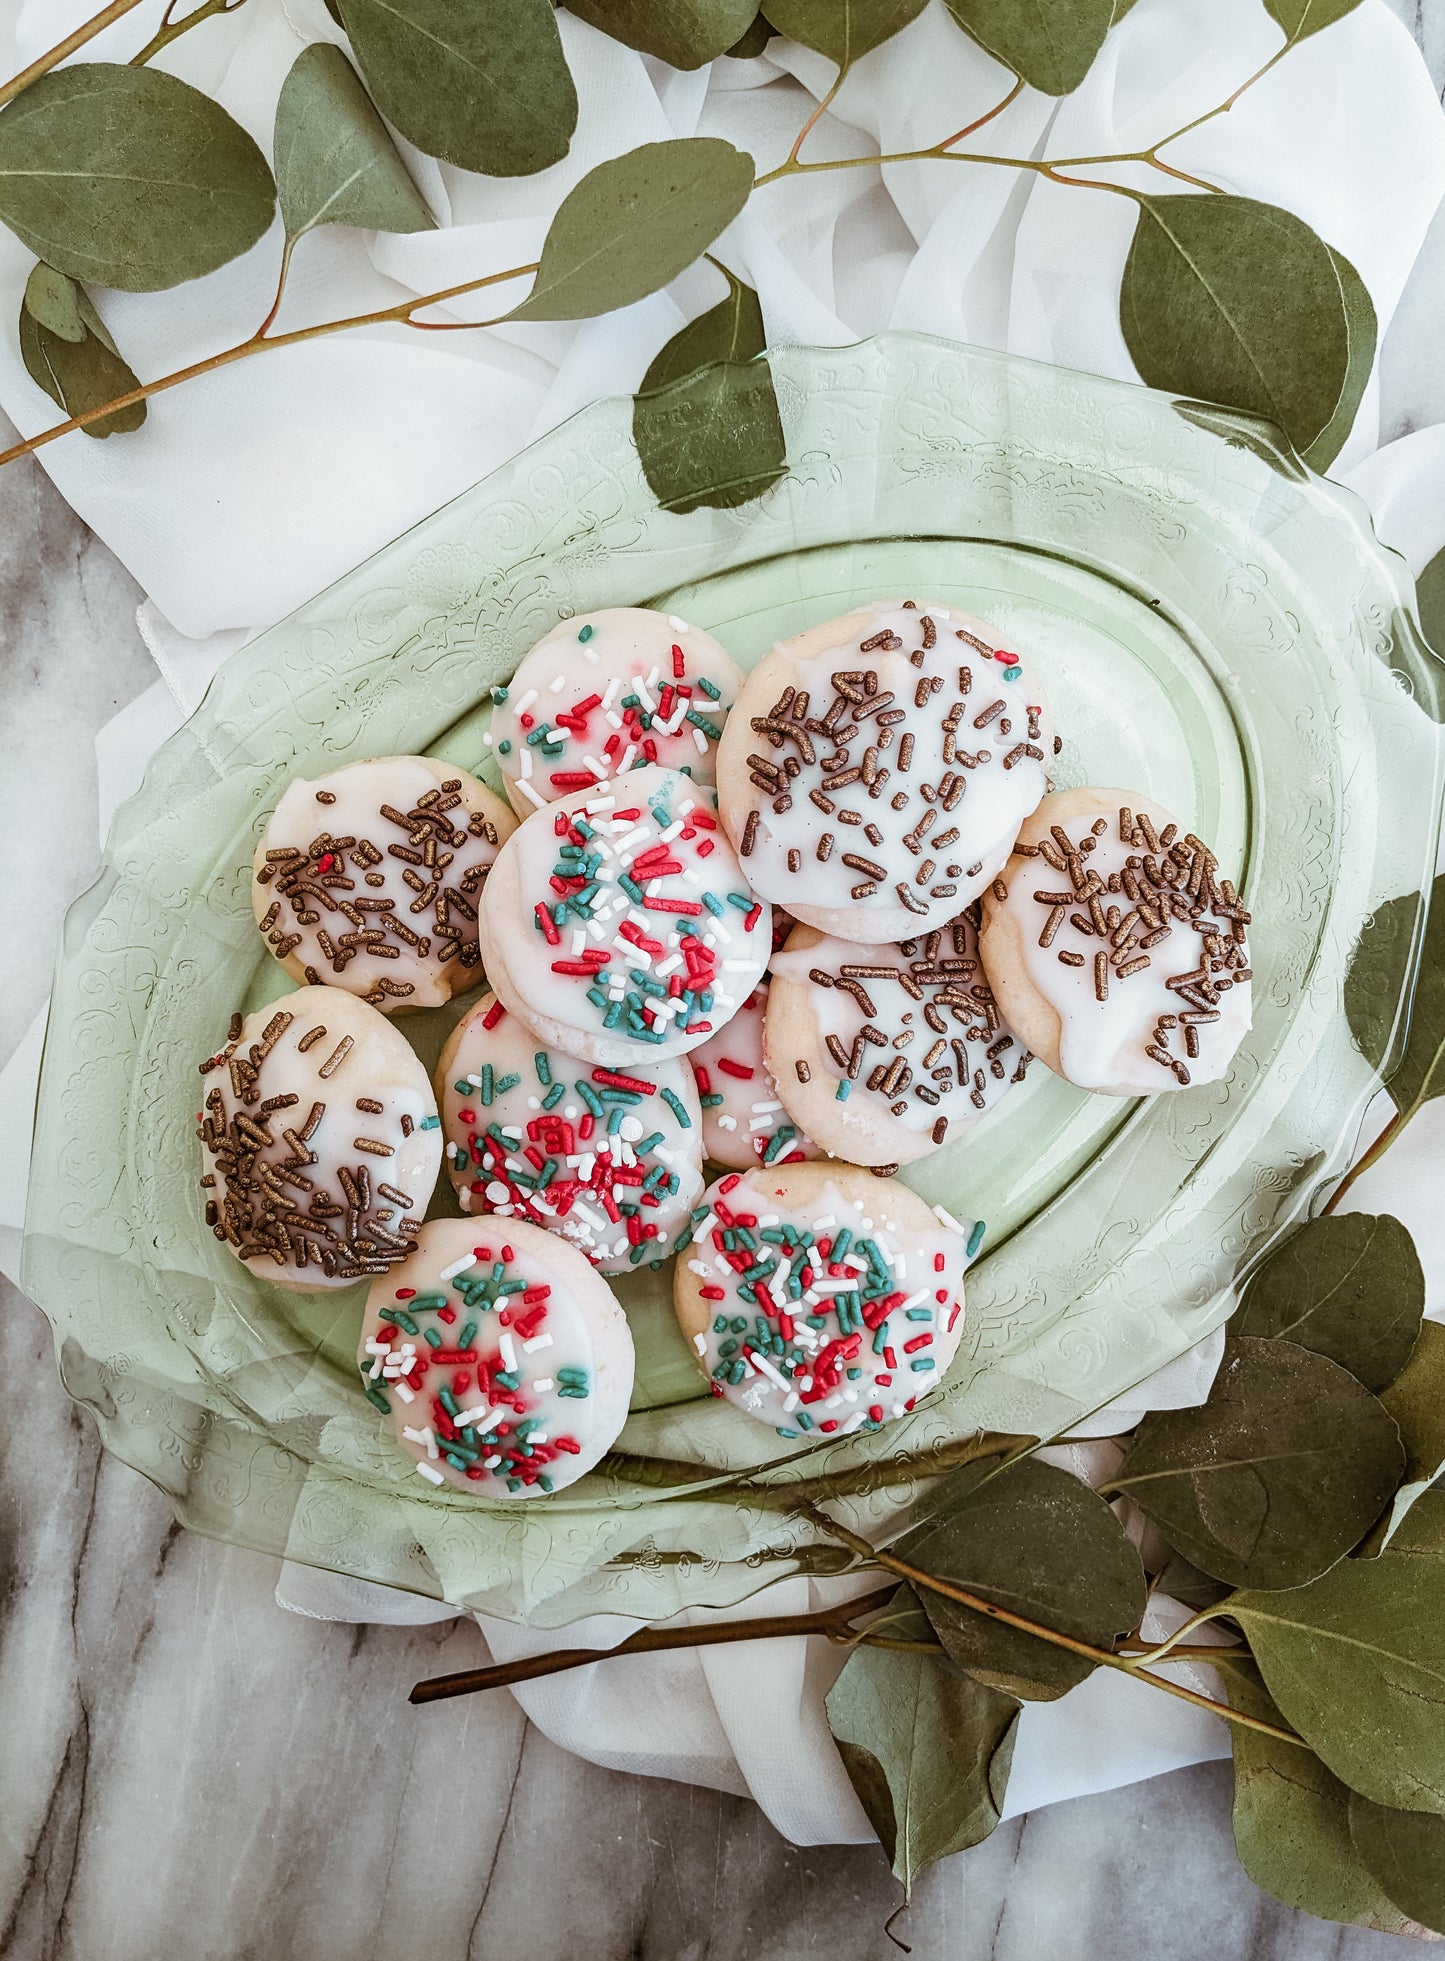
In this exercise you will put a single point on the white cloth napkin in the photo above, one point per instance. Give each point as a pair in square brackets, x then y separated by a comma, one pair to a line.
[253, 487]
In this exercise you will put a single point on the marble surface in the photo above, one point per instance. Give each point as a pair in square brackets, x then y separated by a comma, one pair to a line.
[189, 1773]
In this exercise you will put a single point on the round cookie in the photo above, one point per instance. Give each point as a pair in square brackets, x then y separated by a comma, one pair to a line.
[875, 770]
[744, 1121]
[611, 1162]
[617, 925]
[503, 1362]
[886, 1052]
[1115, 948]
[320, 1140]
[368, 879]
[607, 693]
[820, 1299]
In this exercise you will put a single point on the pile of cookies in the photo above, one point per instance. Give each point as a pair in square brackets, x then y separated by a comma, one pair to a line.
[804, 927]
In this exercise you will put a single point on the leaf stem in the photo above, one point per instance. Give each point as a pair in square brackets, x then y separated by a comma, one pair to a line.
[286, 251]
[1105, 1657]
[1376, 1151]
[969, 129]
[172, 30]
[824, 105]
[43, 64]
[835, 1622]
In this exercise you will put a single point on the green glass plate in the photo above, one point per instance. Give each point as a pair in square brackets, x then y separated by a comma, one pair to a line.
[1217, 628]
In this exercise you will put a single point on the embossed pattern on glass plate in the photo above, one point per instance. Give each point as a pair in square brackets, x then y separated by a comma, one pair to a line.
[1216, 625]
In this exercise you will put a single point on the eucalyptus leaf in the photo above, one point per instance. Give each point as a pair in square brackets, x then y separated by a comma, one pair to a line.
[1356, 1662]
[927, 1750]
[336, 163]
[486, 87]
[843, 30]
[1239, 302]
[1276, 1476]
[1248, 432]
[1301, 18]
[1416, 1400]
[1292, 1821]
[706, 420]
[1039, 1542]
[1181, 1581]
[683, 33]
[634, 223]
[78, 370]
[754, 40]
[903, 1619]
[1051, 44]
[1379, 968]
[1405, 1853]
[1430, 602]
[1349, 1286]
[1362, 338]
[128, 177]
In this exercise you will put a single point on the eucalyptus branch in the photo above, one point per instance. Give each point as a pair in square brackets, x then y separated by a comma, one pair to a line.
[834, 1622]
[62, 50]
[970, 129]
[1376, 1151]
[1127, 1664]
[172, 30]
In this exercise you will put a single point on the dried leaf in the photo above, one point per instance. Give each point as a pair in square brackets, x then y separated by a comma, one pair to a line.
[1350, 1287]
[335, 161]
[81, 368]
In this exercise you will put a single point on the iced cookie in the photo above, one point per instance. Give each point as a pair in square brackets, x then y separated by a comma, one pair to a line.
[743, 1118]
[369, 879]
[617, 925]
[503, 1362]
[886, 1052]
[320, 1140]
[820, 1298]
[607, 693]
[1116, 949]
[612, 1162]
[875, 770]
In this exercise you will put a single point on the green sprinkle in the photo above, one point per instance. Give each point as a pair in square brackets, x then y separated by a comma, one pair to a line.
[920, 1362]
[844, 1089]
[374, 1395]
[713, 693]
[402, 1321]
[499, 695]
[975, 1238]
[710, 1102]
[431, 1337]
[584, 633]
[543, 1068]
[504, 747]
[554, 1096]
[1012, 673]
[674, 1104]
[431, 1123]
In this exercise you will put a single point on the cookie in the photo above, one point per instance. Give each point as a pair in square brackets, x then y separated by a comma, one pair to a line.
[820, 1299]
[606, 693]
[369, 878]
[611, 1162]
[1116, 948]
[320, 1141]
[503, 1363]
[875, 770]
[885, 1052]
[617, 925]
[744, 1121]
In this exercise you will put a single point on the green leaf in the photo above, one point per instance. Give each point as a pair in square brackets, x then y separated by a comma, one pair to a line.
[1050, 43]
[1356, 1662]
[1379, 968]
[843, 30]
[1350, 1287]
[79, 368]
[1416, 1400]
[127, 177]
[483, 86]
[1239, 302]
[634, 223]
[1273, 1479]
[1041, 1543]
[1362, 336]
[754, 40]
[1430, 602]
[706, 420]
[1292, 1821]
[335, 161]
[683, 33]
[926, 1749]
[1181, 1581]
[1405, 1853]
[1301, 18]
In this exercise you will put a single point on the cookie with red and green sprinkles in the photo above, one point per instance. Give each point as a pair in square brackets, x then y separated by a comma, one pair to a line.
[606, 693]
[743, 1118]
[821, 1299]
[502, 1362]
[610, 1160]
[617, 925]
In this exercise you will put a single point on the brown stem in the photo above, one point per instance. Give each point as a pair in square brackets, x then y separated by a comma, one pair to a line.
[1376, 1151]
[988, 115]
[1105, 1657]
[286, 251]
[43, 64]
[835, 1622]
[172, 30]
[824, 105]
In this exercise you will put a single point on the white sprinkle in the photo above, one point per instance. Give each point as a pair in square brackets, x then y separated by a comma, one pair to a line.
[527, 791]
[947, 1219]
[537, 1341]
[699, 1342]
[677, 625]
[521, 707]
[555, 687]
[450, 1273]
[541, 1388]
[407, 1394]
[432, 1476]
[509, 1352]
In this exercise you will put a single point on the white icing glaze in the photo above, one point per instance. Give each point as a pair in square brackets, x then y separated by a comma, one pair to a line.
[800, 1383]
[945, 1028]
[697, 927]
[744, 1121]
[640, 688]
[333, 866]
[625, 1151]
[928, 859]
[1105, 1044]
[316, 1191]
[502, 1361]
